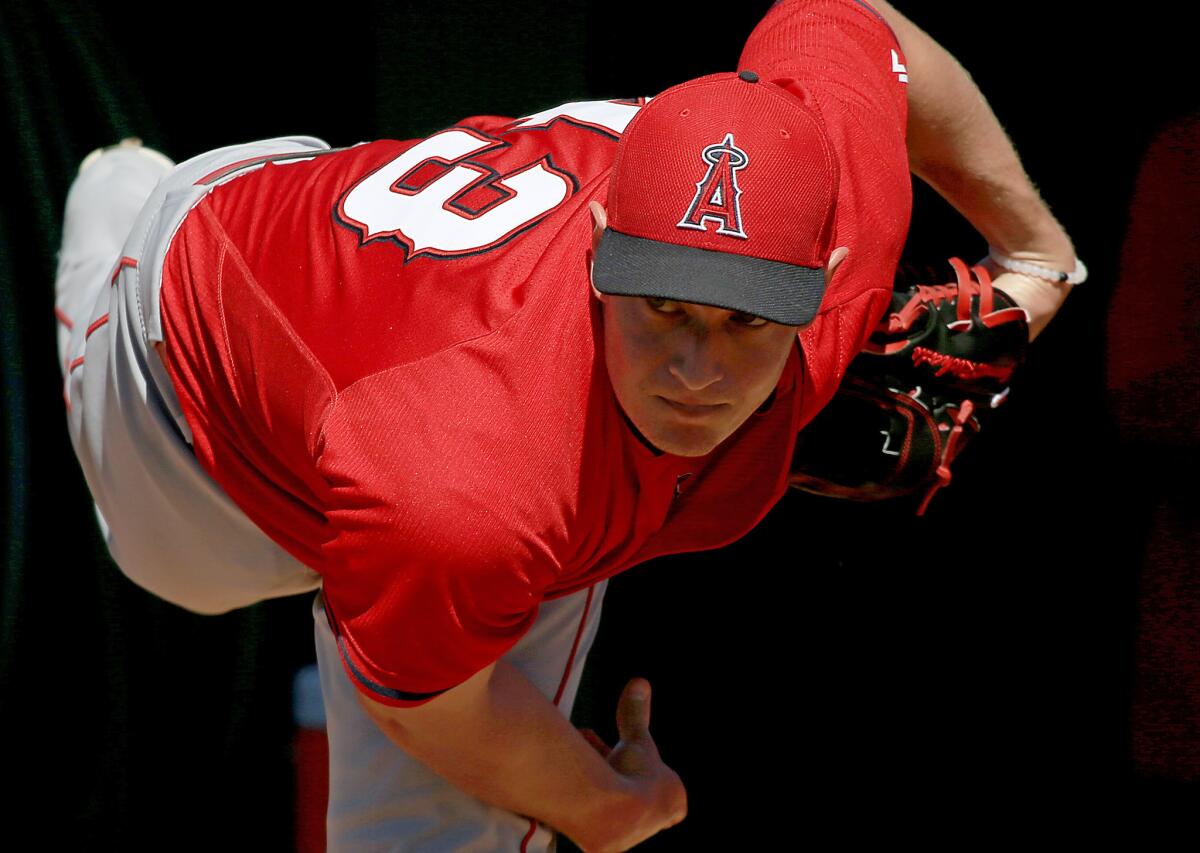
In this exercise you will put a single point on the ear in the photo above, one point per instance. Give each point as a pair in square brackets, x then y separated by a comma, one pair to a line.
[602, 297]
[839, 254]
[599, 222]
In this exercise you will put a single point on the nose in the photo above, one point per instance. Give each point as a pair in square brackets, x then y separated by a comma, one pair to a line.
[695, 363]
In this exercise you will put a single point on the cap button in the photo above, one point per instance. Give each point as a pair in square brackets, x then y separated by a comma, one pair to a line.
[748, 76]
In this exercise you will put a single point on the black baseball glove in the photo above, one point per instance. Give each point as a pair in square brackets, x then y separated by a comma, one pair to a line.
[931, 372]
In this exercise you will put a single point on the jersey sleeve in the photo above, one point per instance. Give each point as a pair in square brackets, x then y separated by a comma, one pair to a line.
[252, 393]
[424, 584]
[842, 48]
[411, 627]
[493, 125]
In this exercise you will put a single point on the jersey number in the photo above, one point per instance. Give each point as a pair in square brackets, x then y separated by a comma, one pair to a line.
[436, 200]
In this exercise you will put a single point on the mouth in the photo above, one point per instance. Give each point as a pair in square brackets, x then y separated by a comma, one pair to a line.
[695, 410]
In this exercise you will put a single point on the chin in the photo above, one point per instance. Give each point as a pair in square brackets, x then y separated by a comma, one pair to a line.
[684, 442]
[692, 450]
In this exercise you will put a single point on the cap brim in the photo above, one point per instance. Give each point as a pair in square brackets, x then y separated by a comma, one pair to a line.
[779, 292]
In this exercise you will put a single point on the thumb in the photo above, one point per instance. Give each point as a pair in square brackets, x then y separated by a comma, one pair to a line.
[633, 710]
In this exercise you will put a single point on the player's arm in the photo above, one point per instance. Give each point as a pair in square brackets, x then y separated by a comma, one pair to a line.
[957, 146]
[496, 737]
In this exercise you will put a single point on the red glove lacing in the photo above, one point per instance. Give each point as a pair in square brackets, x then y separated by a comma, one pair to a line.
[953, 445]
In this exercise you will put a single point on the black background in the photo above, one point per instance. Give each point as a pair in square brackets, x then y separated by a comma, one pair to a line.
[843, 660]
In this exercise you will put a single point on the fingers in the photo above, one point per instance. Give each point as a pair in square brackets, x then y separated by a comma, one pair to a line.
[597, 742]
[633, 710]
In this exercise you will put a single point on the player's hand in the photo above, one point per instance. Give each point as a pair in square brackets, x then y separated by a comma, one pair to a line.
[1040, 298]
[596, 741]
[657, 787]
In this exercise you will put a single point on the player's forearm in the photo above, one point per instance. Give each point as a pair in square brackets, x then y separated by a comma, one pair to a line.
[957, 146]
[503, 742]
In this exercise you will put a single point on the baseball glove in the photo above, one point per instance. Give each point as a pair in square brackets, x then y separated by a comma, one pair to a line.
[930, 374]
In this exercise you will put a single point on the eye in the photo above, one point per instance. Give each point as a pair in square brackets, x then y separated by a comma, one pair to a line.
[662, 306]
[744, 319]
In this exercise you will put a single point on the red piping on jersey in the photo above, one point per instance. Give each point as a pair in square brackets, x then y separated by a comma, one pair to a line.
[63, 318]
[121, 264]
[74, 364]
[562, 685]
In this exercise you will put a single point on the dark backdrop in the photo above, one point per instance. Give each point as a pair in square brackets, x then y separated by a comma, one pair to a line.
[841, 660]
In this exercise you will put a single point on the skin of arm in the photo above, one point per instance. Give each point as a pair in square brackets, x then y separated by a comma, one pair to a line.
[957, 146]
[496, 737]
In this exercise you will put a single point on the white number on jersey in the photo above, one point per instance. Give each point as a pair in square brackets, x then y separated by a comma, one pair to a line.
[431, 218]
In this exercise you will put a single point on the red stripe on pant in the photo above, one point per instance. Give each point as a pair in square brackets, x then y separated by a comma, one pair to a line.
[562, 685]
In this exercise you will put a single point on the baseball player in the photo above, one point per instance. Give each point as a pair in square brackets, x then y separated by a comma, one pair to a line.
[454, 384]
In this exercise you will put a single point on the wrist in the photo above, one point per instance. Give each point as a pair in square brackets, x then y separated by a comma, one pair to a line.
[613, 816]
[1040, 299]
[1071, 272]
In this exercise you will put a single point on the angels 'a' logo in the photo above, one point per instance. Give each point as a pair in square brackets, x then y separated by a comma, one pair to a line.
[717, 192]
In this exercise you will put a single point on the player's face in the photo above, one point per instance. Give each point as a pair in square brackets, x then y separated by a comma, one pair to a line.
[689, 375]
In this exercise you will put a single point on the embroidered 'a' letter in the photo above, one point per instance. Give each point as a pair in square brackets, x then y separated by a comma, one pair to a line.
[717, 192]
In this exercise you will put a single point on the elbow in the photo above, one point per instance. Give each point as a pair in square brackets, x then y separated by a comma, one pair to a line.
[386, 718]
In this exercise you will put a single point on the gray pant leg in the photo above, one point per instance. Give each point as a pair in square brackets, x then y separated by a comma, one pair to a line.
[168, 525]
[380, 799]
[100, 211]
[101, 208]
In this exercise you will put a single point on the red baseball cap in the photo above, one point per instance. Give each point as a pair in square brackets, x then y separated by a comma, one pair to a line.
[723, 192]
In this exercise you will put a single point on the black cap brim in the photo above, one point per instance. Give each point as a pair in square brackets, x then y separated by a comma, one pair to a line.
[779, 292]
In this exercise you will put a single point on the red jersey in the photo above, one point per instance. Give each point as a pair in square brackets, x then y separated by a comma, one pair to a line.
[390, 358]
